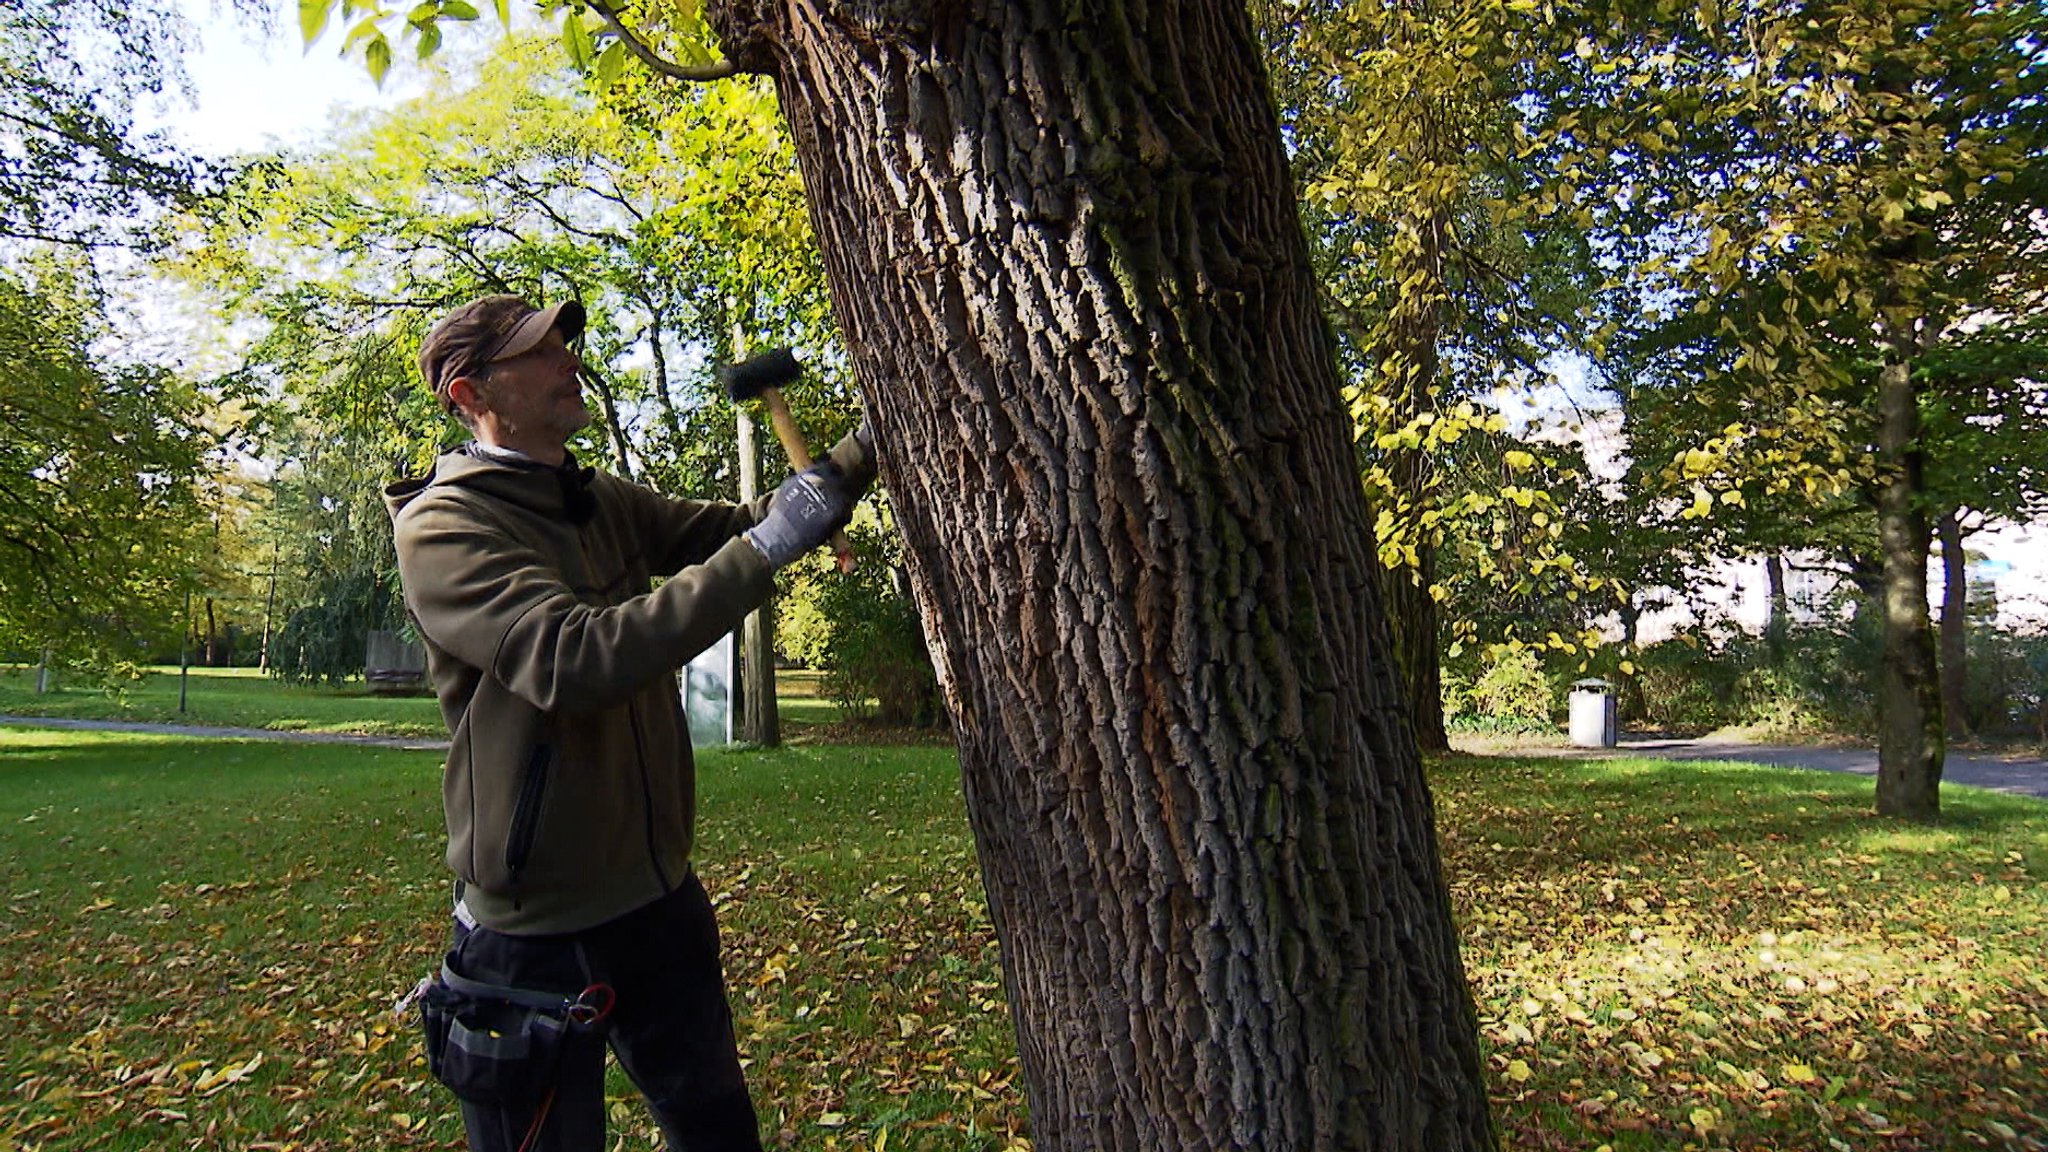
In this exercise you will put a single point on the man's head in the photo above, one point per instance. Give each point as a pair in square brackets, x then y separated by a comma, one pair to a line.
[504, 368]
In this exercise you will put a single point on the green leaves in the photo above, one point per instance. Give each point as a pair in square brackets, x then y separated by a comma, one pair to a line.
[313, 19]
[576, 39]
[101, 518]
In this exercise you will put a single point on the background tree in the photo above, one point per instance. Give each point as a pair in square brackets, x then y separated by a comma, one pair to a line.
[1839, 189]
[102, 478]
[74, 169]
[104, 496]
[503, 178]
[1113, 438]
[1446, 279]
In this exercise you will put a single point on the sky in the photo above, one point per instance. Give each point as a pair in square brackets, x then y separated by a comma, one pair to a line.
[258, 90]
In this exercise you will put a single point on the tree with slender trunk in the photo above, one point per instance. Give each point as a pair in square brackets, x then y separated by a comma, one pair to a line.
[1822, 206]
[1954, 627]
[1448, 279]
[760, 718]
[1911, 744]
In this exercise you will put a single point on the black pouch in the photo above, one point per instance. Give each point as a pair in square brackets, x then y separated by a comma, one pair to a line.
[495, 1045]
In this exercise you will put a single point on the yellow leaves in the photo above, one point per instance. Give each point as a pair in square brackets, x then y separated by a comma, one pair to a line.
[1705, 1120]
[213, 1082]
[1798, 1074]
[1697, 462]
[1518, 1071]
[1519, 460]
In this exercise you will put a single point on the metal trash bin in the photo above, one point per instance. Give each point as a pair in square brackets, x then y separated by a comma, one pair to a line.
[1592, 722]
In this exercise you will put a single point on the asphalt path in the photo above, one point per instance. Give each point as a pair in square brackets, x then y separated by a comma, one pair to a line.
[410, 744]
[2018, 774]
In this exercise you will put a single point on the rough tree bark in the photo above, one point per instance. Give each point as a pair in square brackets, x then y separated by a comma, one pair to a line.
[1955, 624]
[1063, 249]
[1412, 334]
[1911, 746]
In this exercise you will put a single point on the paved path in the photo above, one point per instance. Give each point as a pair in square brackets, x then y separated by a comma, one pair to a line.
[2021, 775]
[409, 743]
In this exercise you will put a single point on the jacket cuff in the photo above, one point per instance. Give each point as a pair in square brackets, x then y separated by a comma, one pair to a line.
[854, 461]
[742, 563]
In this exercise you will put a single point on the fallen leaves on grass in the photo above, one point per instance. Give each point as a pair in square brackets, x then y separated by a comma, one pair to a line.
[1659, 961]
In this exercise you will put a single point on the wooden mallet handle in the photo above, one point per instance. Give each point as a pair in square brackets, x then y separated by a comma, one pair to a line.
[800, 459]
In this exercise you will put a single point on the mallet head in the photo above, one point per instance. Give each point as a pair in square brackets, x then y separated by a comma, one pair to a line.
[771, 369]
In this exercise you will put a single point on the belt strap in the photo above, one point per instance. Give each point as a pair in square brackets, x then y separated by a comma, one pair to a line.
[525, 998]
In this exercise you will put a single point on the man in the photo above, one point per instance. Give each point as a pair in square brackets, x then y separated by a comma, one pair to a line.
[569, 790]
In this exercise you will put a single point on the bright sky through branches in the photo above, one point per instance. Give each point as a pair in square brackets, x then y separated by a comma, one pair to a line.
[257, 88]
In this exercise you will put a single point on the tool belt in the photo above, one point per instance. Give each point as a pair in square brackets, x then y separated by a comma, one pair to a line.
[502, 1046]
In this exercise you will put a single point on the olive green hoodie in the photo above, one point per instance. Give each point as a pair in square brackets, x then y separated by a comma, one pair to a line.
[569, 790]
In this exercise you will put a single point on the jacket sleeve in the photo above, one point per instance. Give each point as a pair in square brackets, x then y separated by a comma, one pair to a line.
[675, 534]
[499, 606]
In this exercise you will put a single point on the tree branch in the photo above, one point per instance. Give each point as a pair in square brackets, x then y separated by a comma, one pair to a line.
[653, 59]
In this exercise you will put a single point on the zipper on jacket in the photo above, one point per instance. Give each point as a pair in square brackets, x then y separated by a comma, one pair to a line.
[647, 798]
[533, 786]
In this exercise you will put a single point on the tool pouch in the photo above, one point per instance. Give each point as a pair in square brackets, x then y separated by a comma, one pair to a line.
[501, 1046]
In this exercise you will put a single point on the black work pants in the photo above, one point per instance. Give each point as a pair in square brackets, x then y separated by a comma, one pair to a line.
[671, 1028]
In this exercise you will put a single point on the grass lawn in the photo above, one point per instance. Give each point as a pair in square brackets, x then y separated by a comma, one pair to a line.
[225, 698]
[200, 940]
[246, 698]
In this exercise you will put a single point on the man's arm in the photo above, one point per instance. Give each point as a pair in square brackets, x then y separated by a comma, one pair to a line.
[501, 607]
[678, 533]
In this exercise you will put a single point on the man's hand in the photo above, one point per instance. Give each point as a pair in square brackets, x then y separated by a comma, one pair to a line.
[806, 509]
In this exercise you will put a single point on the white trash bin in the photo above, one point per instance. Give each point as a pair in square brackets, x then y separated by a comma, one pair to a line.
[1592, 723]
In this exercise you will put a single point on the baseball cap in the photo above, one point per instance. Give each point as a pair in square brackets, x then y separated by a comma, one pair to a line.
[488, 330]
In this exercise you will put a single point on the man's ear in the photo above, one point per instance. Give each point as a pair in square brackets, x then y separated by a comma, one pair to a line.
[467, 394]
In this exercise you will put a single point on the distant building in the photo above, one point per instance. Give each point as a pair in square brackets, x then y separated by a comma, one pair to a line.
[2007, 573]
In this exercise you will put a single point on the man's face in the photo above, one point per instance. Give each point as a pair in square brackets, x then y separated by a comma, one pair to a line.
[535, 398]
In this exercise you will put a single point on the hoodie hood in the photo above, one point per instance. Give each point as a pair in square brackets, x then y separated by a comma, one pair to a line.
[561, 493]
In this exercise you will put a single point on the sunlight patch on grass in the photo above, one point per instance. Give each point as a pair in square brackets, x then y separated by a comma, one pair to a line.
[1909, 839]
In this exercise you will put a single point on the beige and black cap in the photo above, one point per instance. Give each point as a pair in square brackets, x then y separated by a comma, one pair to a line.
[485, 331]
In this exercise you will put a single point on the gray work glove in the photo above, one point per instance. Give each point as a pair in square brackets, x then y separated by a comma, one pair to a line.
[806, 509]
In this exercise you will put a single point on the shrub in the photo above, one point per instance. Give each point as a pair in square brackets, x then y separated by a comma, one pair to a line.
[1504, 690]
[2005, 687]
[1680, 685]
[861, 631]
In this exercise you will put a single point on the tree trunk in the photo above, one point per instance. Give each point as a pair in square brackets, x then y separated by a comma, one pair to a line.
[1412, 333]
[760, 720]
[615, 433]
[664, 397]
[1955, 624]
[1910, 742]
[1415, 624]
[1065, 256]
[1778, 620]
